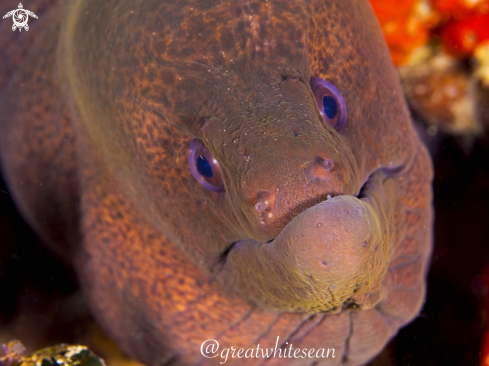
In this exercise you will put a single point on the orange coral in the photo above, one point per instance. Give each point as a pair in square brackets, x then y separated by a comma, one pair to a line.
[457, 9]
[406, 25]
[460, 37]
[387, 10]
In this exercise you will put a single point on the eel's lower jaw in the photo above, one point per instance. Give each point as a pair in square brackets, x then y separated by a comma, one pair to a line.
[331, 256]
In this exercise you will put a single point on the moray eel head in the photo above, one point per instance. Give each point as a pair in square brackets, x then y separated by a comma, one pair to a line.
[291, 180]
[243, 89]
[301, 204]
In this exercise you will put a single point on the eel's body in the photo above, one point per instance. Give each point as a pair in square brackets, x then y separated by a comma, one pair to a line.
[95, 127]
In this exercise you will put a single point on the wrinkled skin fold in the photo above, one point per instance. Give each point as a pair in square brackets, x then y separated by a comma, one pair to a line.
[95, 153]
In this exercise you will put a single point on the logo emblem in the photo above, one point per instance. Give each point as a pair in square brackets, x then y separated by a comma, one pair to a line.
[20, 17]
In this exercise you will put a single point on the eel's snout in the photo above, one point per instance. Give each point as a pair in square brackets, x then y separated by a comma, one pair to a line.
[332, 255]
[272, 208]
[335, 245]
[297, 175]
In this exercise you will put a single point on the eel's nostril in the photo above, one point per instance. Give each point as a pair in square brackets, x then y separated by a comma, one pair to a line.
[320, 168]
[329, 164]
[259, 207]
[265, 204]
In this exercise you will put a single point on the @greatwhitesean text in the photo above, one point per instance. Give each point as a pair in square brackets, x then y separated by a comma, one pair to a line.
[210, 349]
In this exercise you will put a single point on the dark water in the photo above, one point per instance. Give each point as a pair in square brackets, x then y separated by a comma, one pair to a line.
[39, 299]
[450, 327]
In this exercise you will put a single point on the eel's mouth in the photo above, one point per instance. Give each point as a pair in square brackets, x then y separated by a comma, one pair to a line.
[363, 193]
[332, 255]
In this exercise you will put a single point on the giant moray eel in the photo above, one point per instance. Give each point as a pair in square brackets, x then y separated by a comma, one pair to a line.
[228, 170]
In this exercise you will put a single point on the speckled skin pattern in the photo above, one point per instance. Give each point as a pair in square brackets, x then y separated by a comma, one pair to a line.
[97, 115]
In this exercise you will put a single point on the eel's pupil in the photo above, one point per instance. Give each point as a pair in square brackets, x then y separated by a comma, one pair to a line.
[204, 167]
[330, 107]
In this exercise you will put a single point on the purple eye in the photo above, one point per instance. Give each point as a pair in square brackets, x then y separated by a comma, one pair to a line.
[204, 167]
[330, 102]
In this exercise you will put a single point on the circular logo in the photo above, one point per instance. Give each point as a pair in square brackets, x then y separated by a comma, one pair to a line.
[20, 18]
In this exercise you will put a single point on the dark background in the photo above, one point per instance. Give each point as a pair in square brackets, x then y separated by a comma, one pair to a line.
[37, 289]
[450, 327]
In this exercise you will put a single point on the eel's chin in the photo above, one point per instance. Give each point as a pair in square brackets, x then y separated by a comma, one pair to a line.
[331, 256]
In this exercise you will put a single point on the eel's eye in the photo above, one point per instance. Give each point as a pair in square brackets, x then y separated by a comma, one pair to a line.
[330, 102]
[204, 167]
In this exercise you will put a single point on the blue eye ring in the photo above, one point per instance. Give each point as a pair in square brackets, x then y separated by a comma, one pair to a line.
[204, 167]
[330, 102]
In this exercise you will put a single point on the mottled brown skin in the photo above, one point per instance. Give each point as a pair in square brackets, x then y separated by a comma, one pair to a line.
[118, 89]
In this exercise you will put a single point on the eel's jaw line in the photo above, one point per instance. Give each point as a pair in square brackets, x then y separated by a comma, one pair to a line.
[389, 172]
[223, 256]
[331, 256]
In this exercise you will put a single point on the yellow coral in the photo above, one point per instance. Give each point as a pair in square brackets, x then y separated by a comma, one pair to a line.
[481, 54]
